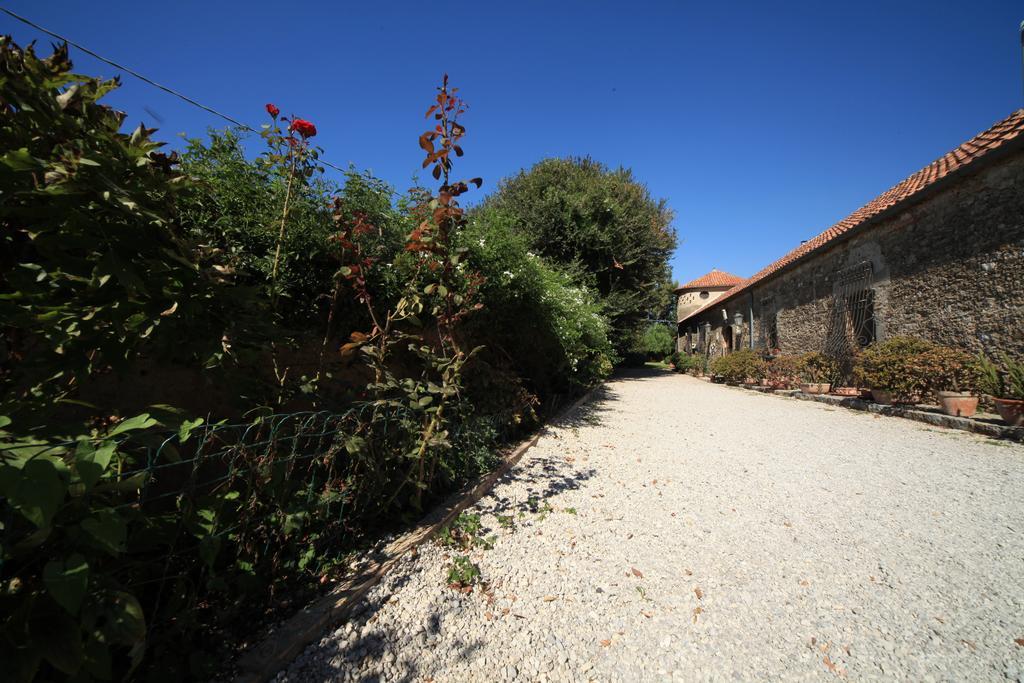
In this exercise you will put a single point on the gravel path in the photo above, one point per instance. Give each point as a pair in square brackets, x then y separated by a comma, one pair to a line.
[673, 529]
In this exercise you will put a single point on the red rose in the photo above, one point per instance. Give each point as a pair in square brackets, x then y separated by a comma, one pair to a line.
[273, 111]
[303, 128]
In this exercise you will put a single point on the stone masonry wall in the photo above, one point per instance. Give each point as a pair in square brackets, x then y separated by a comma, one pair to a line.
[949, 269]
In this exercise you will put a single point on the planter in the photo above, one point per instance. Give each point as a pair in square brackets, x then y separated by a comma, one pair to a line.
[1011, 410]
[957, 404]
[881, 396]
[815, 387]
[887, 398]
[846, 391]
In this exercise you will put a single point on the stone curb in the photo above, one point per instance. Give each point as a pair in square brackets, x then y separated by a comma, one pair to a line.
[262, 661]
[965, 424]
[937, 419]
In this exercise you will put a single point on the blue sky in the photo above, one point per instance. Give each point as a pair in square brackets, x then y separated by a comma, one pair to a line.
[760, 123]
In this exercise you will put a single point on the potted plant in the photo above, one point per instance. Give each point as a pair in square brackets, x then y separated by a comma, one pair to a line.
[1005, 386]
[894, 370]
[954, 376]
[740, 367]
[781, 372]
[816, 371]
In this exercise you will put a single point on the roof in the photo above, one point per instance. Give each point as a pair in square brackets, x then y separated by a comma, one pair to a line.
[716, 278]
[999, 135]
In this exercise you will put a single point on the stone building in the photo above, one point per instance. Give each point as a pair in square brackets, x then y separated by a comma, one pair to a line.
[940, 256]
[696, 294]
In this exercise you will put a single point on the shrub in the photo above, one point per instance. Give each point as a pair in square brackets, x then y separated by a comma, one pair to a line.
[898, 366]
[602, 223]
[949, 369]
[657, 341]
[816, 367]
[783, 372]
[740, 366]
[550, 328]
[1001, 382]
[92, 265]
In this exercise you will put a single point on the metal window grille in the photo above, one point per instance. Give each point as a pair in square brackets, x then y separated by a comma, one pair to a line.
[852, 320]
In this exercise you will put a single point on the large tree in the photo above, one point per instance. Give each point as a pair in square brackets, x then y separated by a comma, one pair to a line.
[601, 224]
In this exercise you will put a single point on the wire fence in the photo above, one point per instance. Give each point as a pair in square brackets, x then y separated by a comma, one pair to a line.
[202, 515]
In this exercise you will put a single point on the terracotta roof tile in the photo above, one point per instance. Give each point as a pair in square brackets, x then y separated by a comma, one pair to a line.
[998, 135]
[716, 278]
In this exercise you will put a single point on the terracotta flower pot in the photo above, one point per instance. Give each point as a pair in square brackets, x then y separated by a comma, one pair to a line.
[815, 387]
[846, 391]
[957, 404]
[882, 396]
[1011, 410]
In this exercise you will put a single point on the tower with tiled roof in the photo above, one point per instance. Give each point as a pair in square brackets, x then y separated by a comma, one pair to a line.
[705, 289]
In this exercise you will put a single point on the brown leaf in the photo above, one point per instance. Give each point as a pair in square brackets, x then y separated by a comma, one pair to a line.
[550, 598]
[696, 611]
[698, 592]
[646, 613]
[636, 572]
[606, 643]
[1019, 641]
[829, 664]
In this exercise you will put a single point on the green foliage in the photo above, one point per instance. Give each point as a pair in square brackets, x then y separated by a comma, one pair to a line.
[739, 366]
[464, 533]
[657, 341]
[815, 367]
[551, 328]
[897, 366]
[1001, 382]
[783, 372]
[463, 573]
[602, 224]
[949, 369]
[92, 266]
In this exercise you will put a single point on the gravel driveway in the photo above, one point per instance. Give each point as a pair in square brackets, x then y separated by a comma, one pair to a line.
[674, 529]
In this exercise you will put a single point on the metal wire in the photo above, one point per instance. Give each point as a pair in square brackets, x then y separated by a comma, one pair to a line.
[136, 74]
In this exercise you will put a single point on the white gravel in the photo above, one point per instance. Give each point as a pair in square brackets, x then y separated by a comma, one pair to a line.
[718, 534]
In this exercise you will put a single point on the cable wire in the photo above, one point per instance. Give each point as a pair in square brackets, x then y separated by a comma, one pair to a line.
[150, 81]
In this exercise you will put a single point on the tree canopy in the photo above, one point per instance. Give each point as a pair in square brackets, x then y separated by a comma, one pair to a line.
[602, 225]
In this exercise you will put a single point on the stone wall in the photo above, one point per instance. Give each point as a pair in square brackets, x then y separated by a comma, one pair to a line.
[949, 269]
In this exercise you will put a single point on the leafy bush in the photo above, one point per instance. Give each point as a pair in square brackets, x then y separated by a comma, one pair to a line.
[601, 223]
[1001, 382]
[552, 329]
[783, 372]
[657, 341]
[739, 366]
[949, 369]
[814, 368]
[106, 566]
[897, 366]
[92, 266]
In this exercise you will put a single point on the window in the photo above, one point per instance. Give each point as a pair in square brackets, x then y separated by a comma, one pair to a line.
[704, 295]
[769, 323]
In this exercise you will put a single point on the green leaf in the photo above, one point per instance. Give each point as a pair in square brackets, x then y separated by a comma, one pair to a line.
[126, 622]
[143, 421]
[20, 160]
[37, 490]
[4, 421]
[67, 581]
[186, 428]
[91, 461]
[108, 529]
